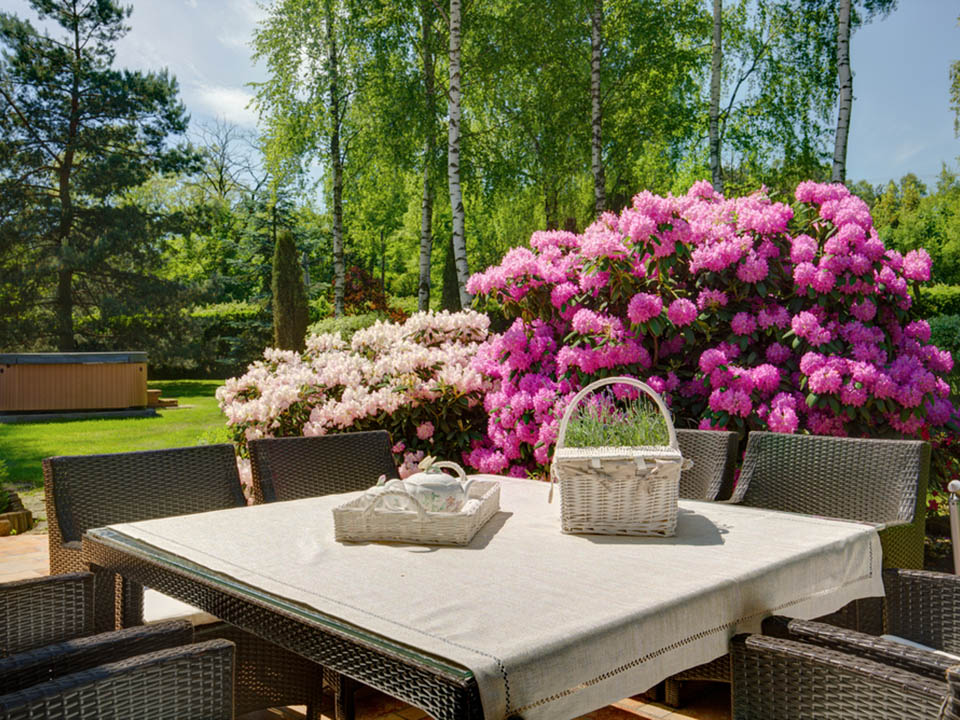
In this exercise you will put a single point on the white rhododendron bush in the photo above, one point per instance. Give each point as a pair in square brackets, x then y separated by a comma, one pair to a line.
[414, 380]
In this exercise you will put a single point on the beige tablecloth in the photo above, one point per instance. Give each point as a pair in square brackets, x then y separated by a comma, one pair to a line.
[552, 625]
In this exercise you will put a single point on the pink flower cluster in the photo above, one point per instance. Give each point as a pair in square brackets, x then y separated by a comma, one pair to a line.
[411, 379]
[743, 312]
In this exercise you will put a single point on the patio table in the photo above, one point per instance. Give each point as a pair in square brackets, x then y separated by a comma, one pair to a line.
[523, 622]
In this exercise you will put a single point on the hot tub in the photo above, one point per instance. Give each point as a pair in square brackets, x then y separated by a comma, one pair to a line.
[72, 381]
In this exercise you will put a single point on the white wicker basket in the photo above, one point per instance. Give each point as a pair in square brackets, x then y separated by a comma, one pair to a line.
[361, 520]
[617, 490]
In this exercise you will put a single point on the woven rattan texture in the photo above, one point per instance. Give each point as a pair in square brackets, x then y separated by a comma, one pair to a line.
[87, 491]
[871, 647]
[786, 680]
[951, 709]
[24, 669]
[195, 681]
[879, 481]
[924, 607]
[420, 684]
[299, 467]
[46, 610]
[714, 455]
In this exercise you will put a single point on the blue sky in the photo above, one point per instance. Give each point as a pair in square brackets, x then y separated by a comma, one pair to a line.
[901, 119]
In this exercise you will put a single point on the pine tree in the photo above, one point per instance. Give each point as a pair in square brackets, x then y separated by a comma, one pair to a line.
[76, 135]
[290, 311]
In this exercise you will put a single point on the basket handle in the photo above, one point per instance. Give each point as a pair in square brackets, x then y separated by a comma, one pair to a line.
[617, 380]
[421, 513]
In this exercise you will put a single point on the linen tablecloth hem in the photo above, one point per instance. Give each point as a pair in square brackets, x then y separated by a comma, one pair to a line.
[822, 602]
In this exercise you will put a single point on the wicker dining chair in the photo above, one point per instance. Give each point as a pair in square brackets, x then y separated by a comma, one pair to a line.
[921, 639]
[89, 491]
[878, 481]
[921, 625]
[51, 665]
[778, 679]
[291, 468]
[714, 456]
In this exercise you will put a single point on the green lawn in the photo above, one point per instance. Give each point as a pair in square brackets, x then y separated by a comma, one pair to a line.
[24, 445]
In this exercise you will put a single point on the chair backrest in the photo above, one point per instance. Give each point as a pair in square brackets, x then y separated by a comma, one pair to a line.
[291, 468]
[714, 456]
[41, 611]
[869, 480]
[89, 491]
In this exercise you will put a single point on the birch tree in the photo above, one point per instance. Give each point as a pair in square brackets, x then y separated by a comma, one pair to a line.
[453, 155]
[716, 77]
[304, 104]
[427, 36]
[845, 99]
[596, 118]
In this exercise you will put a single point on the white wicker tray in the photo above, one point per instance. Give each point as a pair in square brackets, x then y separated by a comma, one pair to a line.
[362, 521]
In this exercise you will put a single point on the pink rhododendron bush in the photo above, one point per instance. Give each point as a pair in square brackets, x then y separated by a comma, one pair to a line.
[414, 380]
[744, 313]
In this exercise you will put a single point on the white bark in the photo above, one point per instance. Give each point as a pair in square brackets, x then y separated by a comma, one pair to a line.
[453, 158]
[426, 205]
[596, 47]
[846, 92]
[716, 68]
[337, 162]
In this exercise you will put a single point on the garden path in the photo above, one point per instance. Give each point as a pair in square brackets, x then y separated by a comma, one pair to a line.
[26, 556]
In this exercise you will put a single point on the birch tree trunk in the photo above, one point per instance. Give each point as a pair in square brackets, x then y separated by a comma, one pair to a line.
[846, 92]
[453, 158]
[426, 205]
[716, 69]
[337, 162]
[596, 47]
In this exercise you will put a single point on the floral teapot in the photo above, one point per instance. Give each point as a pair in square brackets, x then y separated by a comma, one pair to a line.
[434, 490]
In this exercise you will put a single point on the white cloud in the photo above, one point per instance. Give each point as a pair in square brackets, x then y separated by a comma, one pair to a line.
[229, 103]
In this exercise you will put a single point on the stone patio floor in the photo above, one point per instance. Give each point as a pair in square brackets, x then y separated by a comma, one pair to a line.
[25, 556]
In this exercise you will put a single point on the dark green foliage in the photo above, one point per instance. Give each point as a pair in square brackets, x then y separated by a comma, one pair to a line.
[290, 311]
[449, 297]
[938, 300]
[945, 334]
[76, 137]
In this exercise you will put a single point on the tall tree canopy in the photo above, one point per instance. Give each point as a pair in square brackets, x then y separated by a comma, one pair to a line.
[76, 135]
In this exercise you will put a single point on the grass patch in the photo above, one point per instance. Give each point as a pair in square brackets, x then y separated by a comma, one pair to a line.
[23, 446]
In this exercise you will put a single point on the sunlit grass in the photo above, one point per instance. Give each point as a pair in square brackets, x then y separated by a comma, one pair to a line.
[197, 420]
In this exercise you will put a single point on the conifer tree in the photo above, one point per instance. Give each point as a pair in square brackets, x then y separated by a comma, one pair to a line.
[290, 311]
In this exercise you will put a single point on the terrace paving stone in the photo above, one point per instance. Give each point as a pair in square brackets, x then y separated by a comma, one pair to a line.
[26, 556]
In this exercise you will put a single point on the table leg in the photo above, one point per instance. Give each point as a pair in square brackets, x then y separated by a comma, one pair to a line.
[343, 689]
[104, 599]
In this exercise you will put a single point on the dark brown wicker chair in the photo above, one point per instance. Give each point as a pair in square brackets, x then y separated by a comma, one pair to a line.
[878, 481]
[778, 679]
[714, 455]
[919, 606]
[56, 668]
[292, 468]
[88, 491]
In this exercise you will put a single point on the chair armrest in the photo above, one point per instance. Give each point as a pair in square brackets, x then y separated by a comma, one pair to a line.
[193, 681]
[910, 659]
[47, 610]
[789, 680]
[22, 670]
[923, 606]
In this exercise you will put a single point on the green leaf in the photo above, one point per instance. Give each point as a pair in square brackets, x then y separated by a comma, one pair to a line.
[812, 399]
